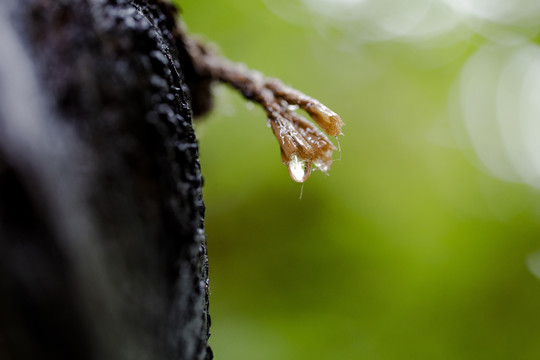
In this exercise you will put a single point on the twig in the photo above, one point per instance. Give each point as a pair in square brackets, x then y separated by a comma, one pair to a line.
[302, 143]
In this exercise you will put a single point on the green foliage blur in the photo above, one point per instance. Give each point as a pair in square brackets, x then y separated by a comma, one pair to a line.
[410, 249]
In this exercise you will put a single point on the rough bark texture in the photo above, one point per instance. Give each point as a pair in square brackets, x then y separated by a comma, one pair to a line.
[102, 246]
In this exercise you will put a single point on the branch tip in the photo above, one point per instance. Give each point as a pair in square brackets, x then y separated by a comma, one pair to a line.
[301, 142]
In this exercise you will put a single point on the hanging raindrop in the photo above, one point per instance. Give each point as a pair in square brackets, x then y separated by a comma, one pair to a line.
[299, 169]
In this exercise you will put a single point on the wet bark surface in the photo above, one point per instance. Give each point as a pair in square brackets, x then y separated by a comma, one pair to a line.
[102, 245]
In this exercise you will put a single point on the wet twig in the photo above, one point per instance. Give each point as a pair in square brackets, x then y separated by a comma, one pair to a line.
[302, 143]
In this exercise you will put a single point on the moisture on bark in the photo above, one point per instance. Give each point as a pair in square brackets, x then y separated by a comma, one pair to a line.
[102, 246]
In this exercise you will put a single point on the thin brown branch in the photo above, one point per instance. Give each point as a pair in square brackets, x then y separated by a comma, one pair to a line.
[302, 143]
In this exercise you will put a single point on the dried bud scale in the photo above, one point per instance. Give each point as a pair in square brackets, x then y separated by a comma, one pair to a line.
[301, 142]
[328, 120]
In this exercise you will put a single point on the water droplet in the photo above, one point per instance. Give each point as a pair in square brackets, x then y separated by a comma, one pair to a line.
[299, 169]
[250, 106]
[293, 107]
[338, 145]
[324, 166]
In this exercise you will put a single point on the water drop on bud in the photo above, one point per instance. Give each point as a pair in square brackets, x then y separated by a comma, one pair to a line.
[324, 166]
[299, 169]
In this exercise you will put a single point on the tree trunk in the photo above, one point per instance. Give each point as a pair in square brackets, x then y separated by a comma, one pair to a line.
[102, 245]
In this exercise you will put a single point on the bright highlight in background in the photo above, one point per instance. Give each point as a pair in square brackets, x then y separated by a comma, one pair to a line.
[361, 21]
[499, 97]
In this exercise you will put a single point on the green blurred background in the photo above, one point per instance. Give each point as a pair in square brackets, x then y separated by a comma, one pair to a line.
[411, 248]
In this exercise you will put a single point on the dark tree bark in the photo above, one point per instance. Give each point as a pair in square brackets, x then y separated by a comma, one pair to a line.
[102, 245]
